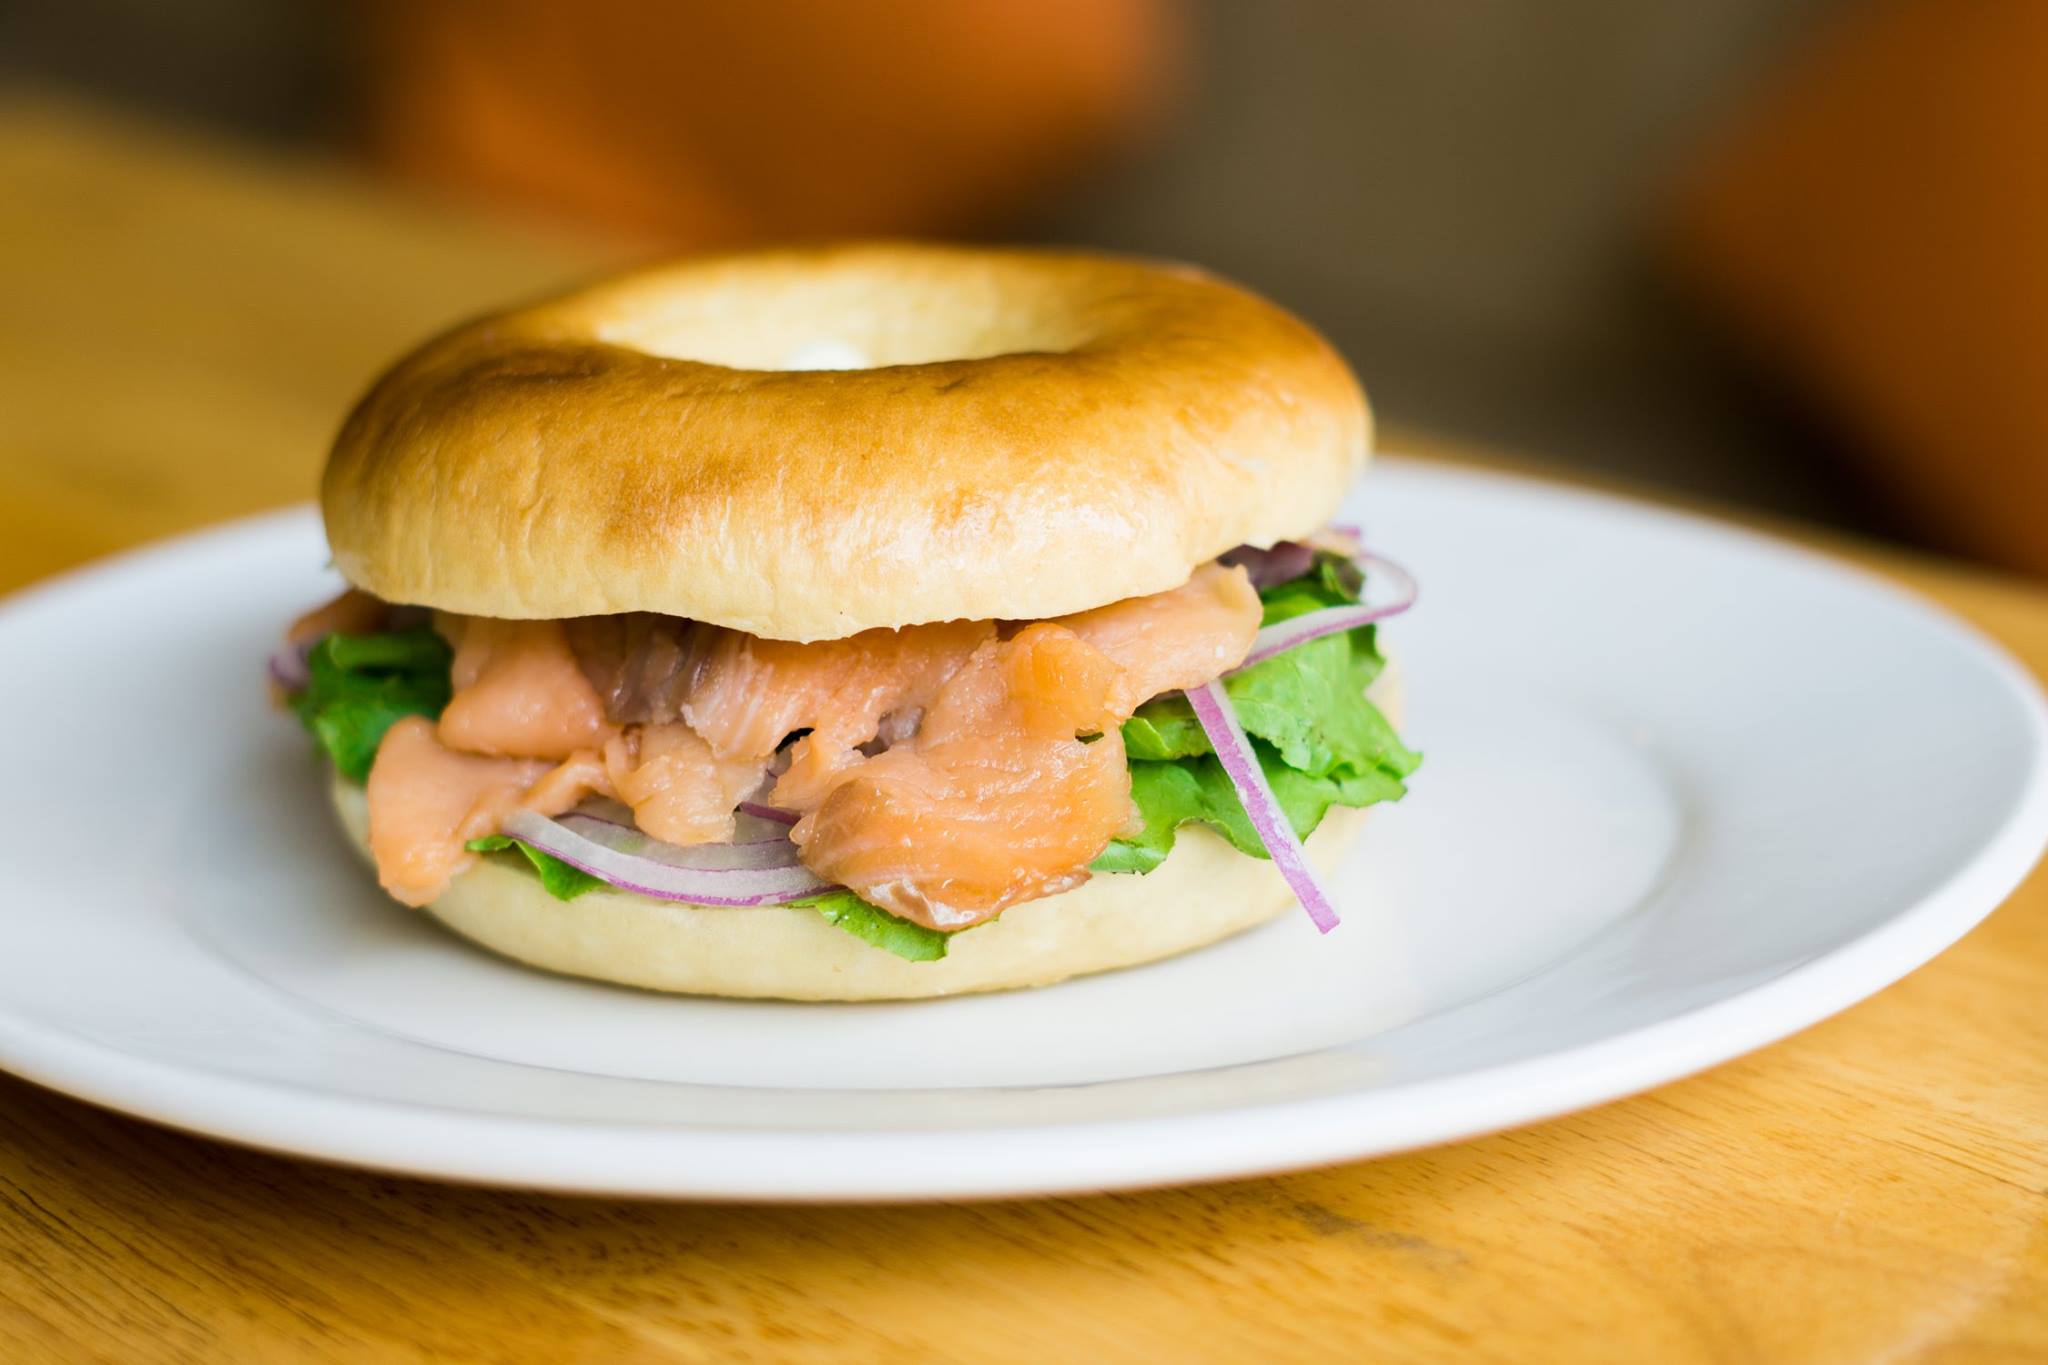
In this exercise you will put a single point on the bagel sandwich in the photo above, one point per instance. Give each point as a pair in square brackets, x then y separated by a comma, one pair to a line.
[875, 621]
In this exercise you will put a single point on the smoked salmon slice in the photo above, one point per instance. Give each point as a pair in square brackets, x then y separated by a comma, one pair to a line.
[355, 612]
[518, 691]
[427, 801]
[1174, 640]
[680, 792]
[995, 800]
[746, 696]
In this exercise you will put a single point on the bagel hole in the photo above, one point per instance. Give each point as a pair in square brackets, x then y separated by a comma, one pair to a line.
[836, 320]
[826, 353]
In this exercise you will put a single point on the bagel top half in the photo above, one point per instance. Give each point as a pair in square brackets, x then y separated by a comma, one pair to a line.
[1019, 435]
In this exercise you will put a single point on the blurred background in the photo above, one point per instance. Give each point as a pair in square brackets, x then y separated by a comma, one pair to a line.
[1785, 254]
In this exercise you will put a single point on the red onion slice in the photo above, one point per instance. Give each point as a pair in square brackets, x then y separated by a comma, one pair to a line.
[289, 668]
[1314, 625]
[1241, 765]
[589, 849]
[751, 855]
[775, 813]
[1276, 564]
[605, 810]
[747, 829]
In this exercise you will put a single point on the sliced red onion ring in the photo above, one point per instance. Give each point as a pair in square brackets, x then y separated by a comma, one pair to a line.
[625, 839]
[775, 813]
[1314, 625]
[604, 809]
[1287, 559]
[1241, 765]
[588, 850]
[288, 665]
[752, 829]
[747, 829]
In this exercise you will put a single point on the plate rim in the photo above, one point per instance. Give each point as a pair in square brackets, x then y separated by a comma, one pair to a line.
[1259, 1137]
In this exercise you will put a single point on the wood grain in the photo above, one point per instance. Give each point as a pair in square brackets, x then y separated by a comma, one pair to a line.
[182, 328]
[178, 330]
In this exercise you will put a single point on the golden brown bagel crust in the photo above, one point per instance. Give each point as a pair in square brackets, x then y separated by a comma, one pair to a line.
[1041, 432]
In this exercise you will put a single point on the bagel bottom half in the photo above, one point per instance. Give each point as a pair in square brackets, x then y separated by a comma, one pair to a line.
[1204, 891]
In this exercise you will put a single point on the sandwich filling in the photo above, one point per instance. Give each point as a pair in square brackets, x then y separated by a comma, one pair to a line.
[935, 774]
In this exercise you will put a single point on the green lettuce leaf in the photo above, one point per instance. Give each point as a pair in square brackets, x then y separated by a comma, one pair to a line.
[1318, 740]
[1306, 703]
[871, 924]
[359, 686]
[559, 879]
[1169, 795]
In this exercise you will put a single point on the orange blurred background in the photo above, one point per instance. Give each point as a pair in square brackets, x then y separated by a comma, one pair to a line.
[1776, 252]
[716, 124]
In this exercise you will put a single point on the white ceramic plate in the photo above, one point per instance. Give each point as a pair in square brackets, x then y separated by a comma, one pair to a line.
[1687, 791]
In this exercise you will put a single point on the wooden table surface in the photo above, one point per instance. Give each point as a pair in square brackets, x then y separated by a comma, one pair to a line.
[179, 330]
